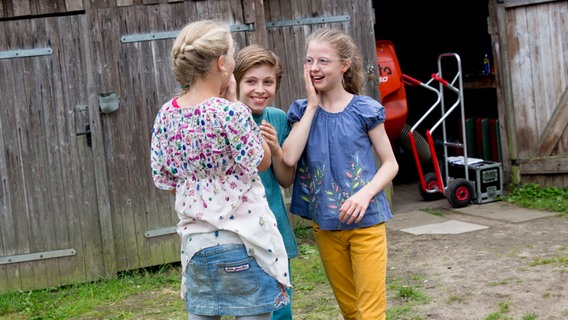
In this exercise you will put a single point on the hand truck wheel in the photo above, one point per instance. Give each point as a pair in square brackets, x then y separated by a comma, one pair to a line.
[459, 193]
[431, 184]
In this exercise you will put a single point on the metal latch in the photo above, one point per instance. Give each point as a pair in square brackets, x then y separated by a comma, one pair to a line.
[87, 133]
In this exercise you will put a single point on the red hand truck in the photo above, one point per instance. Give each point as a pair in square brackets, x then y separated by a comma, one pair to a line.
[459, 190]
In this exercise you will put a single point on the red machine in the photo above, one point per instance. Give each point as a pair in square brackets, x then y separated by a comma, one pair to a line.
[391, 86]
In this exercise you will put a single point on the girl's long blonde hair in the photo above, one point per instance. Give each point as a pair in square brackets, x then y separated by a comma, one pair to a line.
[354, 77]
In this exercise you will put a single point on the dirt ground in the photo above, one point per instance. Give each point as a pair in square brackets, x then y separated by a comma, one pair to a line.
[517, 269]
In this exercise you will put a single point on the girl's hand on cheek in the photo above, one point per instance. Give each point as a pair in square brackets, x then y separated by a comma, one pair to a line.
[311, 93]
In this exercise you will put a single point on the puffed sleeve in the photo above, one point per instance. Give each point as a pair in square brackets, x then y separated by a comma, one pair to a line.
[371, 112]
[296, 110]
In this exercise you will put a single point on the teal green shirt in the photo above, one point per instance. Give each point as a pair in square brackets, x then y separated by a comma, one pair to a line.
[279, 119]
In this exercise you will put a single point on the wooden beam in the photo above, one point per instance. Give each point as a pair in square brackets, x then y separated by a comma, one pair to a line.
[551, 165]
[554, 129]
[518, 3]
[260, 34]
[499, 35]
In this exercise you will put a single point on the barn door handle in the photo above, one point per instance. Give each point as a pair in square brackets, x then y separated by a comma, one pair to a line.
[87, 133]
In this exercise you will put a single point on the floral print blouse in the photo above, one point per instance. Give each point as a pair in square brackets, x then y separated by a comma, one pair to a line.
[208, 153]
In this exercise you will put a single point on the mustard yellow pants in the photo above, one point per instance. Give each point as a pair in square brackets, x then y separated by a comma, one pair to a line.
[355, 262]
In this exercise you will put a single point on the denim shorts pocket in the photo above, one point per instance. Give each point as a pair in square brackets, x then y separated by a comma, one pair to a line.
[239, 277]
[196, 278]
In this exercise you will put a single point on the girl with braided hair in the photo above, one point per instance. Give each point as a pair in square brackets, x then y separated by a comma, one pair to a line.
[207, 150]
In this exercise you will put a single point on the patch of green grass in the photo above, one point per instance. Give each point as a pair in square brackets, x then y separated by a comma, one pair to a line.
[413, 294]
[504, 307]
[313, 297]
[405, 294]
[455, 299]
[433, 212]
[530, 316]
[403, 312]
[86, 298]
[493, 316]
[533, 196]
[500, 282]
[307, 270]
[558, 260]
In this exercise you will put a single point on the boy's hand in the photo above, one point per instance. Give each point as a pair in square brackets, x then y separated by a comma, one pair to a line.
[270, 136]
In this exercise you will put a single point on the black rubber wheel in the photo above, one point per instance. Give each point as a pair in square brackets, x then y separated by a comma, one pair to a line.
[459, 193]
[431, 184]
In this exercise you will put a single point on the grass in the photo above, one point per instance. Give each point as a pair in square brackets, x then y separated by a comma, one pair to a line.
[153, 293]
[533, 196]
[88, 300]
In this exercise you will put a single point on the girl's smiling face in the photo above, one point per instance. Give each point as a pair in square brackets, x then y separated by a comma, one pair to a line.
[258, 87]
[325, 66]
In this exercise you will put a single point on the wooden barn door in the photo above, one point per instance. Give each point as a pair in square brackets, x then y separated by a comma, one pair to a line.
[50, 230]
[131, 49]
[532, 62]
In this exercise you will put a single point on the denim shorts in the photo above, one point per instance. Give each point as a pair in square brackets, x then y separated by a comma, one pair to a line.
[224, 280]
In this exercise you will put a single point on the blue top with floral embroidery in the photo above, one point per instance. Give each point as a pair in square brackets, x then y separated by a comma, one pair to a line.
[337, 161]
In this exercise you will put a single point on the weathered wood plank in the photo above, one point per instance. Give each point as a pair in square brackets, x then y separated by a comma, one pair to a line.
[103, 59]
[541, 61]
[261, 35]
[119, 166]
[524, 104]
[74, 5]
[545, 166]
[273, 36]
[165, 87]
[550, 136]
[60, 155]
[140, 71]
[58, 213]
[8, 273]
[83, 230]
[295, 45]
[40, 205]
[22, 8]
[25, 122]
[124, 3]
[14, 137]
[106, 257]
[518, 3]
[239, 13]
[48, 7]
[202, 10]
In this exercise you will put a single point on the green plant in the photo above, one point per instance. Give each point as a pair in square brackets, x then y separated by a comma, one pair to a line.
[433, 212]
[530, 316]
[558, 260]
[533, 196]
[95, 300]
